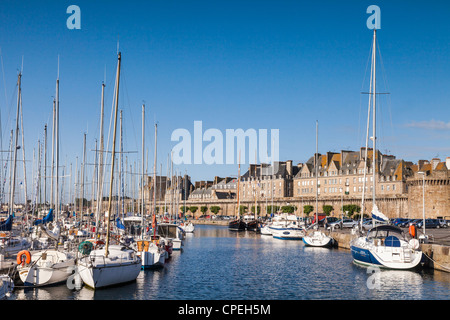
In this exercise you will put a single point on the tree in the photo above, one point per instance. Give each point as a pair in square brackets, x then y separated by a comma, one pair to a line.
[272, 209]
[351, 209]
[193, 209]
[214, 209]
[288, 209]
[308, 209]
[242, 209]
[327, 209]
[258, 209]
[203, 209]
[184, 209]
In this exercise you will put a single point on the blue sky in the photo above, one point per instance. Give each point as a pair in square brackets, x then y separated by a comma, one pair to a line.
[231, 64]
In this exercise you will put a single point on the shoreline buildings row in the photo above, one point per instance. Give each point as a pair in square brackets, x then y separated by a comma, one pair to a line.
[402, 187]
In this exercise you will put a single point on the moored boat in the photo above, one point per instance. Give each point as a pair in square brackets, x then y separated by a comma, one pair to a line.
[44, 268]
[386, 246]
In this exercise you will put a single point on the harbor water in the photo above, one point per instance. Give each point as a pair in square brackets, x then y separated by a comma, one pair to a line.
[218, 264]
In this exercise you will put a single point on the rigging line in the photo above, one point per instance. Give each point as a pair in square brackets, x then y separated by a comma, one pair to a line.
[125, 89]
[360, 100]
[387, 89]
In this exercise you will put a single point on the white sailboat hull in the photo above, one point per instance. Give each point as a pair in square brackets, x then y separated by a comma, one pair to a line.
[371, 253]
[318, 239]
[44, 276]
[266, 230]
[151, 255]
[120, 266]
[6, 286]
[188, 228]
[288, 233]
[47, 268]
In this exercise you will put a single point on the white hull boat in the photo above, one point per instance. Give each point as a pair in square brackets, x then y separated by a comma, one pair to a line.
[187, 227]
[12, 246]
[47, 268]
[386, 247]
[318, 239]
[265, 230]
[120, 266]
[152, 256]
[288, 233]
[171, 232]
[6, 286]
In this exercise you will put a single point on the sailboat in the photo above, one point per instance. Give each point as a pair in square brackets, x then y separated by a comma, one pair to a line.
[113, 264]
[314, 237]
[6, 286]
[237, 224]
[9, 244]
[384, 245]
[49, 266]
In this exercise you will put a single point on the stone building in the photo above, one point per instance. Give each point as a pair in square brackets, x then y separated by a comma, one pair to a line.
[430, 184]
[343, 173]
[342, 178]
[265, 181]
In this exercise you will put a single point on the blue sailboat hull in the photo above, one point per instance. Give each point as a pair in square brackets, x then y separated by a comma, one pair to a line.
[364, 256]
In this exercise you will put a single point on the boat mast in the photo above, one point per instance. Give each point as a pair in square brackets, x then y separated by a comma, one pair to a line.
[142, 176]
[374, 166]
[154, 176]
[57, 147]
[238, 183]
[23, 156]
[317, 171]
[371, 85]
[13, 180]
[374, 169]
[113, 154]
[100, 167]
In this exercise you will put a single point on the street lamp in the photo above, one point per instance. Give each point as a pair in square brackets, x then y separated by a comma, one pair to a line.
[423, 198]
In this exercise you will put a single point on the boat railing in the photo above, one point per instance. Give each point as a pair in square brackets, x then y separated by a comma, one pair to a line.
[101, 260]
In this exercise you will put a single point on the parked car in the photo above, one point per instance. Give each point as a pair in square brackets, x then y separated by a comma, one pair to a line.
[345, 223]
[429, 223]
[400, 221]
[444, 223]
[368, 224]
[330, 220]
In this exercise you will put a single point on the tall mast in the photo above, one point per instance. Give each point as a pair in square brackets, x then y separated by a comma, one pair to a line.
[317, 171]
[142, 165]
[57, 147]
[100, 168]
[83, 174]
[238, 182]
[23, 155]
[13, 180]
[113, 154]
[53, 155]
[374, 169]
[154, 175]
[45, 166]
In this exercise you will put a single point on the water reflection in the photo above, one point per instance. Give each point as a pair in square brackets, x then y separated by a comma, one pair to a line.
[218, 264]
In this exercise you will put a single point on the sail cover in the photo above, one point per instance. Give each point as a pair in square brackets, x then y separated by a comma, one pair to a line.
[119, 224]
[47, 218]
[6, 225]
[378, 215]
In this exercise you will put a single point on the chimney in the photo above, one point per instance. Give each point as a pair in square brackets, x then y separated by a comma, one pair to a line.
[289, 167]
[435, 162]
[447, 163]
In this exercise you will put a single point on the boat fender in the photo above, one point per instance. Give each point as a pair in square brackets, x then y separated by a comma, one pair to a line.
[414, 243]
[85, 247]
[27, 259]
